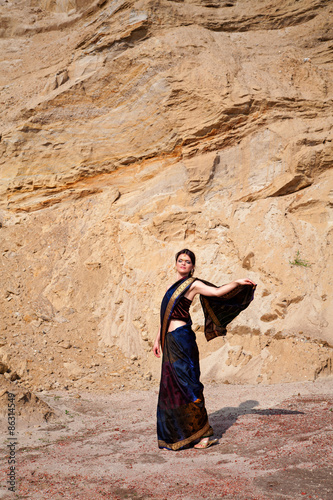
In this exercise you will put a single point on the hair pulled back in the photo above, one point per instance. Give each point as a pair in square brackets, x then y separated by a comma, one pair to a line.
[188, 252]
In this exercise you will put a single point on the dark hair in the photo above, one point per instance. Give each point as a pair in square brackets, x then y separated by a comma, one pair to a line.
[188, 252]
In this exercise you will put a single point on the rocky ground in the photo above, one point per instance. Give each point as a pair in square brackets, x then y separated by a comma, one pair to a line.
[275, 442]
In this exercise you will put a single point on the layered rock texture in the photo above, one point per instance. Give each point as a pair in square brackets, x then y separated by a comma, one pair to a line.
[132, 129]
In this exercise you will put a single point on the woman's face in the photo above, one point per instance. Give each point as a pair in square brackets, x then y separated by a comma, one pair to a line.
[184, 264]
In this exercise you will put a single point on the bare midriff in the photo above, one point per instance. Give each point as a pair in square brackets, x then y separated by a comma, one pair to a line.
[175, 323]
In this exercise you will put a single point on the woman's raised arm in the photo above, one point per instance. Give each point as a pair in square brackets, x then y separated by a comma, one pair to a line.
[211, 291]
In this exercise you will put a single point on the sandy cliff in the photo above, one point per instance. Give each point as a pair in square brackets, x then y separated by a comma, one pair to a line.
[132, 129]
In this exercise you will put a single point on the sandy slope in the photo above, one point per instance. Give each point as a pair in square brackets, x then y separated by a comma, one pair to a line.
[134, 128]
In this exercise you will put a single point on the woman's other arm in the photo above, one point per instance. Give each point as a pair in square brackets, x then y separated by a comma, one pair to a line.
[157, 345]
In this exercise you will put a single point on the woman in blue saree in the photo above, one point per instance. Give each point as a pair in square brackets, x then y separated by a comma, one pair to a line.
[181, 414]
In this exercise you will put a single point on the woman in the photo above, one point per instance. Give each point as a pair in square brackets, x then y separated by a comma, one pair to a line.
[181, 414]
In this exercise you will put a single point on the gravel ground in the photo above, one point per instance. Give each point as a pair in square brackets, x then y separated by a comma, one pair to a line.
[275, 442]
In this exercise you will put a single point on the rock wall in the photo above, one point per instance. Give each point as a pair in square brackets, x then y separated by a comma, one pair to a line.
[131, 129]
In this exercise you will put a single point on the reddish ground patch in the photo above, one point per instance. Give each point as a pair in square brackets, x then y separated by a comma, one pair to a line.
[274, 444]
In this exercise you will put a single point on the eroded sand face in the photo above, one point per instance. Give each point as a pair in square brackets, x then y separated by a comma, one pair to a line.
[131, 131]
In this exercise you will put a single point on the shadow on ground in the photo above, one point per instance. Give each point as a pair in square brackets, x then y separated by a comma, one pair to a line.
[223, 419]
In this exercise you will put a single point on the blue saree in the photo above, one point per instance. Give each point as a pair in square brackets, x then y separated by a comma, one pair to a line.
[181, 414]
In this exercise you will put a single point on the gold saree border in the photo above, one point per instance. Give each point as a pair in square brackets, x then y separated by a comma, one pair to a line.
[168, 308]
[210, 310]
[184, 442]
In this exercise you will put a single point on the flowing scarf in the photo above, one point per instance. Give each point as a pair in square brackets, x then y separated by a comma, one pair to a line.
[218, 311]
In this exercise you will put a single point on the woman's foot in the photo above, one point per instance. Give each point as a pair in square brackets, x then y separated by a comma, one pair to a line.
[205, 443]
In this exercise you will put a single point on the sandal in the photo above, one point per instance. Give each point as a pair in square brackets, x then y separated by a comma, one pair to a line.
[205, 443]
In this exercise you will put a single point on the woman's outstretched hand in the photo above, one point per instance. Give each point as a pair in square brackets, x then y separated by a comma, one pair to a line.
[245, 281]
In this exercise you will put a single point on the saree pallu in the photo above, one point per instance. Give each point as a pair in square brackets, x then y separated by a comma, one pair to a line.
[181, 413]
[218, 311]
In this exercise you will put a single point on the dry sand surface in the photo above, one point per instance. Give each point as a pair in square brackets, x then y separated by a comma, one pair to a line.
[274, 442]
